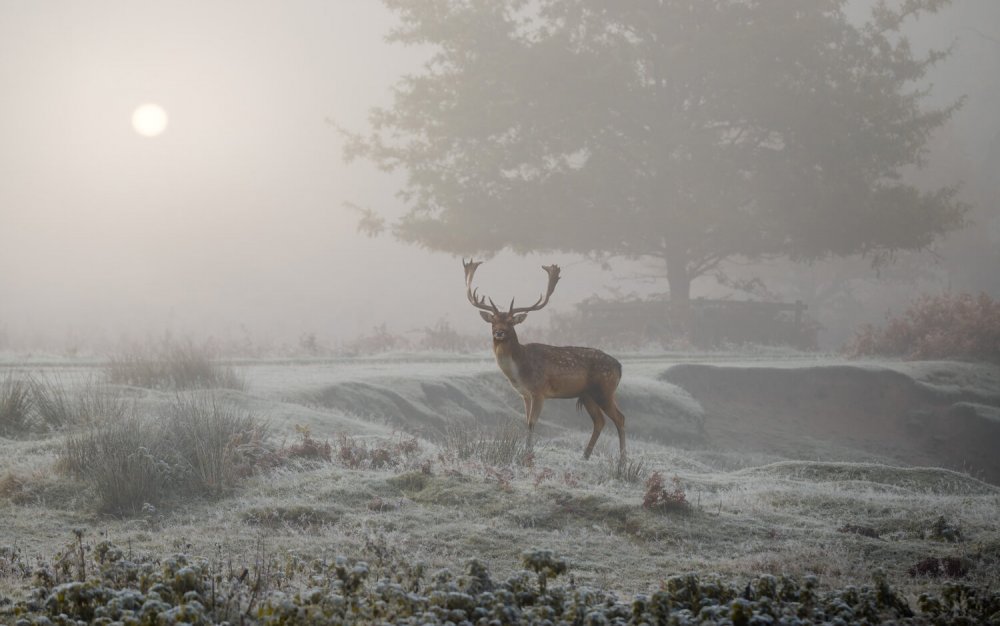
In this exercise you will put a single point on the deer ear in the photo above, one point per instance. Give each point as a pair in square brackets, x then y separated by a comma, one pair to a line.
[517, 319]
[486, 315]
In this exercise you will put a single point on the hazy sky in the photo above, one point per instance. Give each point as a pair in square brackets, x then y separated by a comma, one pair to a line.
[234, 216]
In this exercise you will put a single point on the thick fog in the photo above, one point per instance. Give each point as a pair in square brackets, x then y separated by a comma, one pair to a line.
[236, 220]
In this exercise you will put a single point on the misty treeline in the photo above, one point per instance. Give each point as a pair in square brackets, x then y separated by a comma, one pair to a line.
[698, 136]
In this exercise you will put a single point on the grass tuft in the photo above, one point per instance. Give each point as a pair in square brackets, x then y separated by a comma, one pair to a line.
[125, 461]
[628, 469]
[503, 446]
[58, 407]
[172, 365]
[16, 405]
[214, 442]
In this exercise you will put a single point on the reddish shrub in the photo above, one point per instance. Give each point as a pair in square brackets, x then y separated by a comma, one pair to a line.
[357, 455]
[659, 499]
[950, 326]
[309, 447]
[949, 566]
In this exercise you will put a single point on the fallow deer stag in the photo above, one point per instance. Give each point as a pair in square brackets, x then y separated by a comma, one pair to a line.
[538, 371]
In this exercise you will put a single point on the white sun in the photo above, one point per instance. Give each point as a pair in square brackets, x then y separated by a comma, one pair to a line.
[149, 120]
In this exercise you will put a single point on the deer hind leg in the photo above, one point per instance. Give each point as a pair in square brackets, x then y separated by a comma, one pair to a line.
[610, 408]
[595, 414]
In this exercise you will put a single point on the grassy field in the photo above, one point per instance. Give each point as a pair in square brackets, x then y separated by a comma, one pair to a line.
[421, 460]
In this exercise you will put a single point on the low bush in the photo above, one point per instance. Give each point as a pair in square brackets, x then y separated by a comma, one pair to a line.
[950, 326]
[172, 365]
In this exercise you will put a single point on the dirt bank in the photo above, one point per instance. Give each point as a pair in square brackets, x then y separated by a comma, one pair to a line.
[846, 412]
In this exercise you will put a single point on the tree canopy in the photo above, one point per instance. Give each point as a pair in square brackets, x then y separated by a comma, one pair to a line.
[691, 132]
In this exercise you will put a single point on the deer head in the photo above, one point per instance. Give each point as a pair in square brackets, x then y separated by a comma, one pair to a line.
[503, 322]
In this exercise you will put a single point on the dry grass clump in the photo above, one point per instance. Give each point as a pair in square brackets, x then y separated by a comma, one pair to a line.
[16, 405]
[172, 365]
[201, 446]
[950, 326]
[505, 445]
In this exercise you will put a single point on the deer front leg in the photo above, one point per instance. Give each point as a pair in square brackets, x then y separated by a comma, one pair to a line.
[533, 407]
[598, 418]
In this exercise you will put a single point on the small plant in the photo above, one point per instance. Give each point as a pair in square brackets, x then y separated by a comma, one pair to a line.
[543, 475]
[943, 530]
[545, 564]
[15, 488]
[308, 447]
[858, 529]
[950, 326]
[503, 476]
[659, 499]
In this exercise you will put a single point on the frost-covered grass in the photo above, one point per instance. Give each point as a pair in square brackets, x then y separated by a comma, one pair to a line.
[404, 485]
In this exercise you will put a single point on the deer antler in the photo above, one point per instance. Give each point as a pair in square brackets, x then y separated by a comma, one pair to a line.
[553, 272]
[477, 301]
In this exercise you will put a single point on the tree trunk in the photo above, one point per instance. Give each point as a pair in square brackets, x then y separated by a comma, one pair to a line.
[680, 295]
[678, 279]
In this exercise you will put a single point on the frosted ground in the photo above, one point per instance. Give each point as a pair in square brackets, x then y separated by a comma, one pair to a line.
[793, 465]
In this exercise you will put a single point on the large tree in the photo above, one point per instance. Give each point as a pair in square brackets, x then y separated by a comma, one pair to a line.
[687, 131]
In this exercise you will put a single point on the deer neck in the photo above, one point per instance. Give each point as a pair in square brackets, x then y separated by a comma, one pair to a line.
[509, 355]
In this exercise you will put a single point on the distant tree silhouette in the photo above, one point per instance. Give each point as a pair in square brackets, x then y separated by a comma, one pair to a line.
[688, 131]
